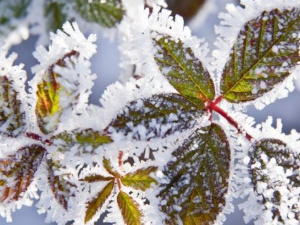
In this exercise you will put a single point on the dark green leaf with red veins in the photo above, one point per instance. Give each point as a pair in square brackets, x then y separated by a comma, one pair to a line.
[86, 140]
[158, 116]
[107, 13]
[48, 107]
[198, 178]
[54, 12]
[184, 71]
[95, 205]
[60, 187]
[129, 209]
[140, 179]
[17, 171]
[266, 50]
[275, 170]
[12, 116]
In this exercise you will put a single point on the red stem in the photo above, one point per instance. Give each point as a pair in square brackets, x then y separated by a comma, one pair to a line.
[212, 106]
[38, 138]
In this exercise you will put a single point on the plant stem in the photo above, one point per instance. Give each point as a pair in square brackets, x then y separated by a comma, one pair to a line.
[37, 137]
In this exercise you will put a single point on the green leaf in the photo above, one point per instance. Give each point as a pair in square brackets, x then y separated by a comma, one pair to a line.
[266, 49]
[94, 205]
[61, 188]
[17, 171]
[184, 71]
[87, 139]
[198, 178]
[158, 116]
[108, 167]
[54, 12]
[96, 178]
[12, 116]
[140, 179]
[48, 106]
[107, 13]
[129, 209]
[272, 156]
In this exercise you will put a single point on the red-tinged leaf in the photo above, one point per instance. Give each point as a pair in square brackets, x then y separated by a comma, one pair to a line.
[161, 115]
[198, 176]
[184, 71]
[48, 106]
[129, 209]
[109, 169]
[266, 50]
[17, 171]
[140, 179]
[12, 116]
[94, 205]
[275, 174]
[59, 185]
[96, 178]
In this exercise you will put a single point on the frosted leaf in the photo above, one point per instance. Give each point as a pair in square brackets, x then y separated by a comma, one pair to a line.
[157, 116]
[55, 13]
[198, 178]
[12, 92]
[265, 51]
[184, 71]
[276, 180]
[17, 172]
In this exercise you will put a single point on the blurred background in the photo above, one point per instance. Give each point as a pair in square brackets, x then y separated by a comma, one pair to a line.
[201, 16]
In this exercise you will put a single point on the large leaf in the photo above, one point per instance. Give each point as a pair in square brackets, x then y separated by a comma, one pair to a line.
[264, 53]
[184, 71]
[54, 12]
[48, 106]
[87, 139]
[129, 209]
[17, 171]
[94, 205]
[275, 173]
[59, 186]
[107, 13]
[12, 116]
[158, 116]
[140, 179]
[198, 177]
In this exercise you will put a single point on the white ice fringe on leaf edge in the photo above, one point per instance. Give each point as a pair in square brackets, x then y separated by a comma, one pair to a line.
[138, 33]
[231, 24]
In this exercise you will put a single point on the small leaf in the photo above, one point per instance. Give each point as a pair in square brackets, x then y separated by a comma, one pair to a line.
[59, 186]
[198, 177]
[129, 209]
[266, 50]
[48, 107]
[109, 169]
[184, 71]
[275, 173]
[158, 116]
[54, 12]
[17, 171]
[87, 139]
[12, 116]
[96, 203]
[107, 13]
[140, 179]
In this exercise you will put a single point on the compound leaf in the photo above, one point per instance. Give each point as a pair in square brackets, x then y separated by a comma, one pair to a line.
[94, 205]
[59, 185]
[275, 173]
[184, 71]
[140, 179]
[129, 209]
[198, 178]
[107, 13]
[266, 50]
[55, 15]
[12, 116]
[158, 116]
[17, 171]
[87, 139]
